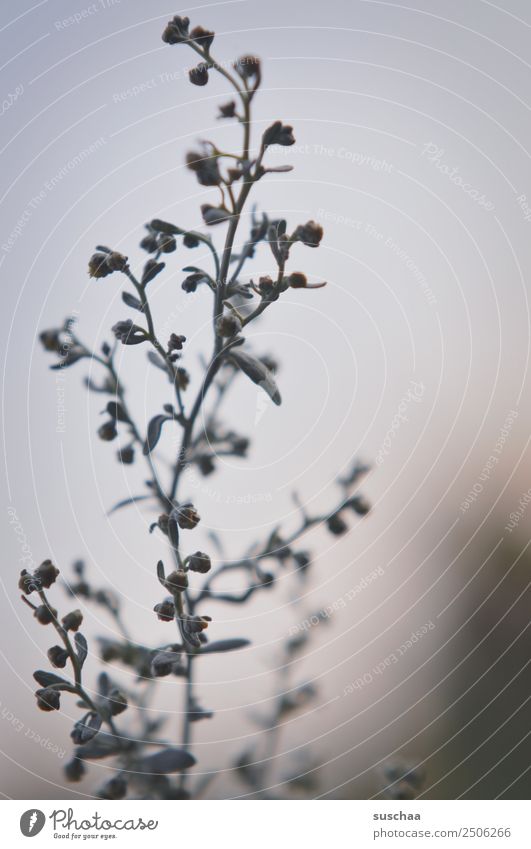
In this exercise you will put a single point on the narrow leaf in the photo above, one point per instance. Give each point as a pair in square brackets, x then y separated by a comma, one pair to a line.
[166, 761]
[160, 572]
[154, 431]
[225, 645]
[165, 227]
[151, 269]
[47, 679]
[116, 411]
[125, 501]
[82, 647]
[258, 373]
[131, 301]
[155, 360]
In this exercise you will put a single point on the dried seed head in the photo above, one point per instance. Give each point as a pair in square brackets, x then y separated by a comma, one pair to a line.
[165, 611]
[57, 656]
[228, 325]
[199, 562]
[72, 621]
[48, 699]
[107, 431]
[187, 517]
[46, 574]
[176, 31]
[199, 74]
[74, 770]
[177, 581]
[45, 614]
[203, 36]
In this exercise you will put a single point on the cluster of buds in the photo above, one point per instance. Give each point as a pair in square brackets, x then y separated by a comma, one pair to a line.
[48, 699]
[128, 333]
[42, 578]
[155, 242]
[105, 262]
[175, 344]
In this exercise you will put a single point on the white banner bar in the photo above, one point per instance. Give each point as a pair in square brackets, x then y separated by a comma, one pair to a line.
[263, 825]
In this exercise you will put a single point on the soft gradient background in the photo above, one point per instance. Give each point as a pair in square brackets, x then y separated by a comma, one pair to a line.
[425, 284]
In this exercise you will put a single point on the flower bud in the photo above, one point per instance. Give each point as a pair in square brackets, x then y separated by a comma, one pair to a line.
[72, 621]
[248, 67]
[187, 517]
[228, 110]
[74, 770]
[190, 241]
[51, 340]
[199, 562]
[297, 280]
[126, 455]
[176, 31]
[58, 656]
[177, 581]
[98, 266]
[199, 74]
[175, 342]
[309, 234]
[167, 244]
[360, 505]
[336, 525]
[27, 583]
[165, 610]
[164, 663]
[108, 431]
[278, 133]
[116, 788]
[48, 699]
[44, 614]
[117, 702]
[116, 261]
[46, 574]
[202, 36]
[228, 325]
[183, 378]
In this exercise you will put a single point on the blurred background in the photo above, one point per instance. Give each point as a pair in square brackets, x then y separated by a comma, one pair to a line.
[412, 126]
